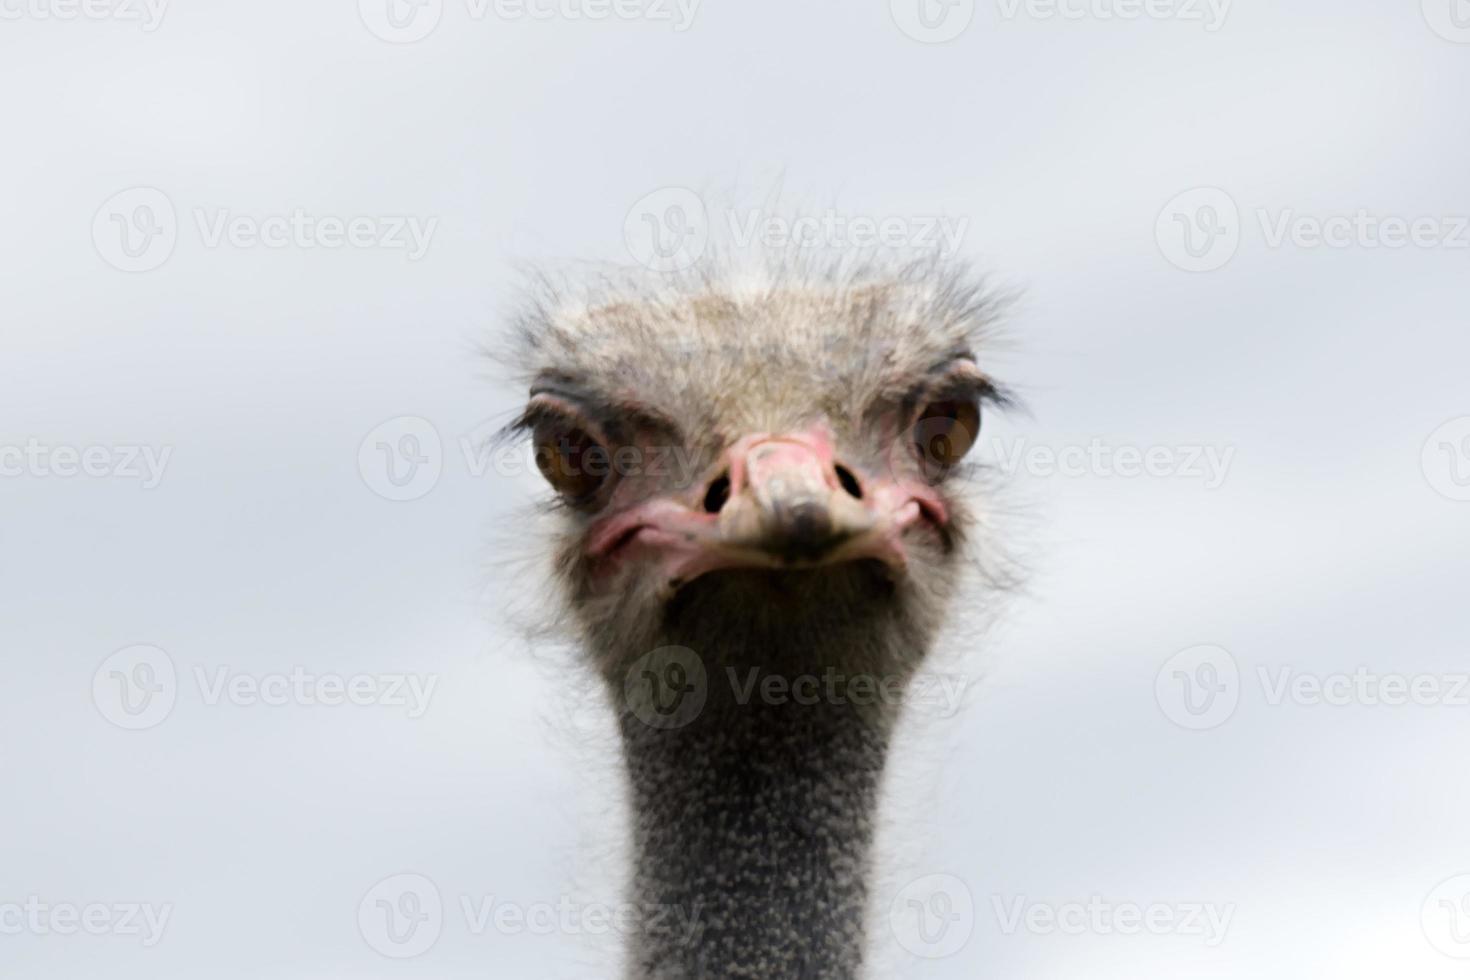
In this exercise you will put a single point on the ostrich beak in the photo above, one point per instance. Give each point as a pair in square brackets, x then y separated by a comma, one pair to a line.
[776, 502]
[787, 501]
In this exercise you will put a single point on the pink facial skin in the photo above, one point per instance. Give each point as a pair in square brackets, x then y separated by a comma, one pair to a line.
[769, 476]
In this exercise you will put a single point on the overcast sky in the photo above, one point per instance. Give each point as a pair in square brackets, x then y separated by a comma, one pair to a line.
[249, 252]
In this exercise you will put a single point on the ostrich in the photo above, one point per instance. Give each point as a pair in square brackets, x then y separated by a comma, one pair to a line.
[757, 479]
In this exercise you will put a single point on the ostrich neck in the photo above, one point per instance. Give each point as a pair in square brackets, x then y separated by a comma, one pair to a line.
[753, 822]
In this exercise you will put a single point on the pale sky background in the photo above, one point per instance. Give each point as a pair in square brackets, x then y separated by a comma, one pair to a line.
[1332, 379]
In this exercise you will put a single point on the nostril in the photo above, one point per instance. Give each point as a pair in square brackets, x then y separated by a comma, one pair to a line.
[718, 493]
[849, 482]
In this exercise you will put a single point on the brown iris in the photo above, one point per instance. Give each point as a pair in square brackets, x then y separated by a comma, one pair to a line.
[572, 460]
[944, 432]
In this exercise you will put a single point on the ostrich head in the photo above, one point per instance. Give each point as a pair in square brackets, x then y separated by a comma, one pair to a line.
[758, 482]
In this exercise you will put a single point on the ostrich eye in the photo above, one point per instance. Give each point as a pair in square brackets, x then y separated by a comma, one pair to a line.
[573, 462]
[944, 432]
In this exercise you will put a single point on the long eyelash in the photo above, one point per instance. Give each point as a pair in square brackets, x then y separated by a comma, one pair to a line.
[554, 403]
[535, 414]
[963, 385]
[994, 394]
[521, 426]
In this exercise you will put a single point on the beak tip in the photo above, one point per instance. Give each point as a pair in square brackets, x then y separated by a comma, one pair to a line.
[802, 532]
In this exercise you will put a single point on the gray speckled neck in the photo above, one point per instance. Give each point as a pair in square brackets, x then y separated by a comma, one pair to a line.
[755, 823]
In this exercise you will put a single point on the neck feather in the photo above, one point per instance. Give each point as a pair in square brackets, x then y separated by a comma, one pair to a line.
[754, 822]
[755, 721]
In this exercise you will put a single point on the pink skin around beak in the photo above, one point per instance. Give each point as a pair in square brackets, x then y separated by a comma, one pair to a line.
[786, 507]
